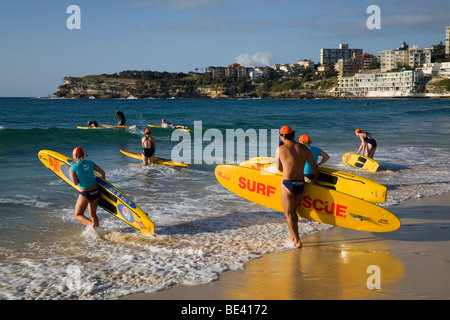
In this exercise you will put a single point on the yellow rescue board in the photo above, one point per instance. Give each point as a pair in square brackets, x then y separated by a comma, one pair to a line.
[114, 126]
[157, 160]
[361, 162]
[89, 128]
[317, 203]
[351, 184]
[111, 199]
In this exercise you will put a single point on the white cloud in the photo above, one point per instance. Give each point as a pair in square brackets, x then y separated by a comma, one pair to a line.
[258, 59]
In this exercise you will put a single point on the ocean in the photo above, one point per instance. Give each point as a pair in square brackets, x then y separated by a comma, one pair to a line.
[202, 230]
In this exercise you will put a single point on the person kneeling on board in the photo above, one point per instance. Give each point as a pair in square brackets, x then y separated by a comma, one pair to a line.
[92, 124]
[82, 173]
[291, 158]
[148, 145]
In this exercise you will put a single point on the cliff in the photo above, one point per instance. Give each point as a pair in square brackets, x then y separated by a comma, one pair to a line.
[148, 84]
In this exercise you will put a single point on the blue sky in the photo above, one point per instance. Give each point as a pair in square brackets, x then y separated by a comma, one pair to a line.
[37, 49]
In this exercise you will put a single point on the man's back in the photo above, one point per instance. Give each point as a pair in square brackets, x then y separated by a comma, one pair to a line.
[292, 157]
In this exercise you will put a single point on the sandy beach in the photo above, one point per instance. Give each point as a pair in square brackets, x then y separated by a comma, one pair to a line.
[411, 263]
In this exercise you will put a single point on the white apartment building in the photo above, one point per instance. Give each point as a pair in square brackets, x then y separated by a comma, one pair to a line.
[439, 69]
[413, 57]
[388, 84]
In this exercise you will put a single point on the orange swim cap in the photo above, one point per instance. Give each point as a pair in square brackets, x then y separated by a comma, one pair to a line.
[286, 130]
[304, 138]
[147, 130]
[358, 130]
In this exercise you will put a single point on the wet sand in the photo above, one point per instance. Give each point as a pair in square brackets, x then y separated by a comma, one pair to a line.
[411, 263]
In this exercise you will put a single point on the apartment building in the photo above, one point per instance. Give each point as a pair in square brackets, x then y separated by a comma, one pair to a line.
[358, 63]
[331, 56]
[381, 84]
[404, 56]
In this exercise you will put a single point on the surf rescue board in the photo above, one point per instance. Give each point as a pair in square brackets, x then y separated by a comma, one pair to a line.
[360, 162]
[114, 126]
[111, 199]
[163, 161]
[317, 202]
[351, 184]
[89, 128]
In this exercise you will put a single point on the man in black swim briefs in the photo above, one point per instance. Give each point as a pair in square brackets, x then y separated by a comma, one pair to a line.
[291, 157]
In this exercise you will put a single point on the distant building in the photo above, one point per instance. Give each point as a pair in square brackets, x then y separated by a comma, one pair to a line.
[447, 43]
[234, 70]
[381, 84]
[305, 64]
[404, 56]
[331, 56]
[358, 63]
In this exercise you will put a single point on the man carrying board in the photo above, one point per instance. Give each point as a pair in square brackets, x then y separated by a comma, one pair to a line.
[291, 157]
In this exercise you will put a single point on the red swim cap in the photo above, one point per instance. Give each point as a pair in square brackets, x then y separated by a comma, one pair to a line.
[78, 150]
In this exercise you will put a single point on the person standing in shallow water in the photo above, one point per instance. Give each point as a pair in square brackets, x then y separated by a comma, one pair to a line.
[148, 148]
[290, 158]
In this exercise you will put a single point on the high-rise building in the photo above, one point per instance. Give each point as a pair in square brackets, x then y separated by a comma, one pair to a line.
[331, 56]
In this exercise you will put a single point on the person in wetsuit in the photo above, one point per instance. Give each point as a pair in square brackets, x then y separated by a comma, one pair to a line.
[290, 158]
[82, 173]
[148, 145]
[368, 144]
[121, 116]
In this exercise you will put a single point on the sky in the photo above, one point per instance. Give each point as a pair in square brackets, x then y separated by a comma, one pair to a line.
[37, 49]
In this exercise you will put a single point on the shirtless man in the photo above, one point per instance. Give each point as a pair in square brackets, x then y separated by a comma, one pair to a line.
[291, 158]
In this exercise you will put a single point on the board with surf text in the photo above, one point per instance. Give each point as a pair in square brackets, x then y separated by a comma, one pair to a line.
[317, 203]
[345, 182]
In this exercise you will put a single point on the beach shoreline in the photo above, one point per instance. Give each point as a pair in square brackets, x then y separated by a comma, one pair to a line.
[411, 263]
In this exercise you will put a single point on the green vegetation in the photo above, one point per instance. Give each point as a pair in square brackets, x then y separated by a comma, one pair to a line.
[144, 84]
[443, 83]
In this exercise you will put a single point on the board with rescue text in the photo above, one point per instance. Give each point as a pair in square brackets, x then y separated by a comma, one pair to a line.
[317, 202]
[360, 162]
[163, 161]
[354, 185]
[111, 199]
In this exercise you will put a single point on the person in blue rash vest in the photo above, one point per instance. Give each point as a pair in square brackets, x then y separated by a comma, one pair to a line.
[316, 152]
[82, 173]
